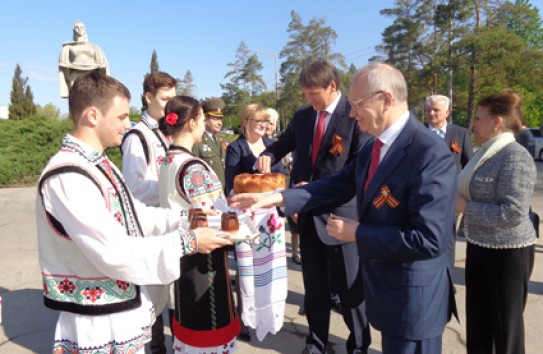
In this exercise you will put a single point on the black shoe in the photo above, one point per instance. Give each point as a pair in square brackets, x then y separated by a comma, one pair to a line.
[244, 335]
[307, 351]
[296, 259]
[301, 311]
[336, 304]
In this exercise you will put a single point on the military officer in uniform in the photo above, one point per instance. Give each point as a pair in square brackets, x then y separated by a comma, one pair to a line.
[212, 149]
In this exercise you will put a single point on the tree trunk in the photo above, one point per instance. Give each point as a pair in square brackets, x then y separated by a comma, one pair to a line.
[472, 69]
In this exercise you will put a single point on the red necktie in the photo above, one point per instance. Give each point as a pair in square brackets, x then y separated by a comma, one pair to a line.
[317, 137]
[375, 156]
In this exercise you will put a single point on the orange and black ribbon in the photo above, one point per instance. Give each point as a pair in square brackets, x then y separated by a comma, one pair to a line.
[455, 148]
[224, 145]
[337, 148]
[385, 197]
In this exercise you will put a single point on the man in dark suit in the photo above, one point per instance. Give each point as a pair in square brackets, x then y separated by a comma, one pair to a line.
[404, 185]
[323, 140]
[456, 138]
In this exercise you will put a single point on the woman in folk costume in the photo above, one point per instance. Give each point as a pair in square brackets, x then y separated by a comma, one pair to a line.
[205, 320]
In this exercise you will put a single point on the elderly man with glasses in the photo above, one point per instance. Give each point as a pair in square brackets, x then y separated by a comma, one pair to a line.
[403, 183]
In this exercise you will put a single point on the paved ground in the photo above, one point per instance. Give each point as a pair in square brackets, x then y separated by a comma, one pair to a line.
[27, 326]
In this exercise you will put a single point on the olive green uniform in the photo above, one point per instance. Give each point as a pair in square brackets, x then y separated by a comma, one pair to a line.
[213, 152]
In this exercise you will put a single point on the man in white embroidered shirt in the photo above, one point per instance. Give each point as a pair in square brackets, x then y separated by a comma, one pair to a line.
[144, 148]
[94, 253]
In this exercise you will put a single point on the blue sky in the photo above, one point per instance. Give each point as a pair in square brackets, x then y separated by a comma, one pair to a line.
[198, 35]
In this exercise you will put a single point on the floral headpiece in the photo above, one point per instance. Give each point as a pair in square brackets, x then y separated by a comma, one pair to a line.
[171, 118]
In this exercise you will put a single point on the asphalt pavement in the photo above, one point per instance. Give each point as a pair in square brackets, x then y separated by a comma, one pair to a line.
[28, 326]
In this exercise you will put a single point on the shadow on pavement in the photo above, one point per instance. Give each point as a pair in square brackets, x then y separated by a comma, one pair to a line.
[276, 343]
[27, 322]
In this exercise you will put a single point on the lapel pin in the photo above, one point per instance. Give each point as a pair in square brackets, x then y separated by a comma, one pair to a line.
[385, 196]
[337, 148]
[454, 147]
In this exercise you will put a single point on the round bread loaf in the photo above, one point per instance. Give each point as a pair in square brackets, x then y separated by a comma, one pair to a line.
[258, 183]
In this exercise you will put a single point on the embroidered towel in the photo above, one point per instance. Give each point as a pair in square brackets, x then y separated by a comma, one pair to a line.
[262, 268]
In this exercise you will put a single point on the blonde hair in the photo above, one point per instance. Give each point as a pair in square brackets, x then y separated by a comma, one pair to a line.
[252, 111]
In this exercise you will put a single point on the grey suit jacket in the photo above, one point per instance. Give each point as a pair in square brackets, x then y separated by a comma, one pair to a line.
[501, 190]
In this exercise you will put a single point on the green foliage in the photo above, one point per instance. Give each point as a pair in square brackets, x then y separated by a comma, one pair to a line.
[487, 45]
[345, 78]
[305, 42]
[49, 111]
[522, 19]
[21, 98]
[245, 72]
[26, 146]
[154, 67]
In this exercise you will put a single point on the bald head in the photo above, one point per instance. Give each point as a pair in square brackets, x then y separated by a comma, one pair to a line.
[378, 97]
[383, 77]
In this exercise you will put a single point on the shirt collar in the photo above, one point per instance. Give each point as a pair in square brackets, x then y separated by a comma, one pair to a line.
[332, 107]
[210, 135]
[391, 133]
[443, 128]
[71, 143]
[148, 120]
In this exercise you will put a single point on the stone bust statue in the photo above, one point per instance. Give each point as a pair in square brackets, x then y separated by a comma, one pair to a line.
[79, 57]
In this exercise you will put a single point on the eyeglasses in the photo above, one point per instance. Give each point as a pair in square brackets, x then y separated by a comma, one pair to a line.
[356, 103]
[261, 122]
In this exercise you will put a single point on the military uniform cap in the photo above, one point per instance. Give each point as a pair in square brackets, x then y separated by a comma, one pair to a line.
[213, 107]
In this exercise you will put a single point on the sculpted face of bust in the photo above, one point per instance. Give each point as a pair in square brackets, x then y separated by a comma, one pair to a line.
[80, 32]
[78, 57]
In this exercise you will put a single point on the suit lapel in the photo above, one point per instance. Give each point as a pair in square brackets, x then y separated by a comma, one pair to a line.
[393, 158]
[330, 130]
[449, 134]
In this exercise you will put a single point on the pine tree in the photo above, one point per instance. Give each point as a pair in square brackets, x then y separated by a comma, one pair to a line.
[236, 74]
[186, 86]
[153, 67]
[410, 43]
[250, 75]
[522, 19]
[154, 62]
[305, 42]
[246, 84]
[21, 98]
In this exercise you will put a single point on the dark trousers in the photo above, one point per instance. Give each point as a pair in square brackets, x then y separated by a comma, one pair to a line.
[158, 339]
[320, 264]
[496, 291]
[392, 345]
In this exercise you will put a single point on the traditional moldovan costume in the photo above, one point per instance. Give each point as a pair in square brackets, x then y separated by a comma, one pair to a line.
[205, 320]
[144, 150]
[94, 257]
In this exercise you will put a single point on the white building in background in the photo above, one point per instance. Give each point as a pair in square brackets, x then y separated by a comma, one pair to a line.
[4, 113]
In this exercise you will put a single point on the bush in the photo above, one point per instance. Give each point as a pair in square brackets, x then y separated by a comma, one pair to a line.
[27, 145]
